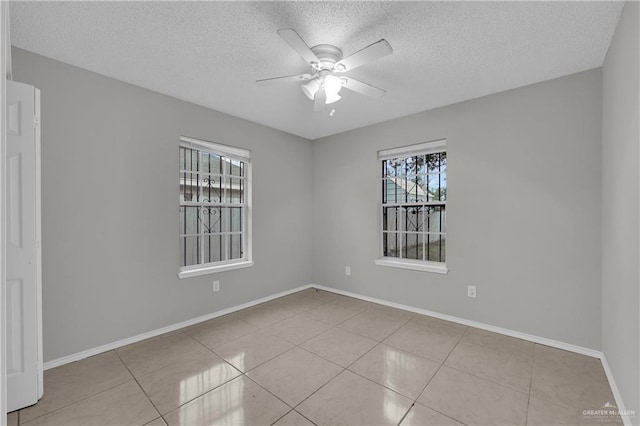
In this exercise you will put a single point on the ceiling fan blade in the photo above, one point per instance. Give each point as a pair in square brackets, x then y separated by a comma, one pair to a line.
[319, 99]
[296, 42]
[369, 54]
[288, 79]
[362, 88]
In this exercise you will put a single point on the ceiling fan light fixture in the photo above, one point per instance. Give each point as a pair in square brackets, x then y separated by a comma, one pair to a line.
[331, 98]
[332, 85]
[311, 88]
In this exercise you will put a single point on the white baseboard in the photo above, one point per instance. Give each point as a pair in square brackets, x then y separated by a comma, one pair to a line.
[524, 336]
[153, 333]
[616, 393]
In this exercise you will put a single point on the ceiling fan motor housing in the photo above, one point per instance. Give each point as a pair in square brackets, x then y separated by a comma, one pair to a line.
[328, 55]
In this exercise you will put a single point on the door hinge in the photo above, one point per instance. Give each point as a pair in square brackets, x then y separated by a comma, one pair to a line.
[36, 121]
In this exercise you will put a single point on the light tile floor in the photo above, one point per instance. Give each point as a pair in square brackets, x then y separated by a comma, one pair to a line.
[315, 357]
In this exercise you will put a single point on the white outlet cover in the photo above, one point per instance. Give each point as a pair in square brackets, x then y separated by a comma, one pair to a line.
[471, 291]
[347, 270]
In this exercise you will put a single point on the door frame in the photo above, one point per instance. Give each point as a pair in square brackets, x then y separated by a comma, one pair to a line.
[5, 53]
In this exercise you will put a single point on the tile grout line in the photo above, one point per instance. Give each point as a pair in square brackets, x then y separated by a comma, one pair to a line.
[244, 373]
[378, 343]
[225, 361]
[235, 315]
[313, 423]
[332, 326]
[264, 329]
[406, 414]
[79, 400]
[533, 363]
[548, 400]
[317, 390]
[398, 349]
[306, 350]
[293, 410]
[270, 393]
[139, 385]
[486, 378]
[478, 377]
[436, 373]
[362, 335]
[282, 416]
[378, 384]
[299, 346]
[197, 396]
[159, 417]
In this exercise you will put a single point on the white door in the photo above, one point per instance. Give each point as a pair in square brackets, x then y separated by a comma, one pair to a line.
[24, 299]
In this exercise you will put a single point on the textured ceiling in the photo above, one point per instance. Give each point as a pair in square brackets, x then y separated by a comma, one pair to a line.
[211, 53]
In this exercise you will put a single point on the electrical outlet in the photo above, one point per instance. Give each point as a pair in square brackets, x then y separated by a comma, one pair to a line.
[471, 291]
[216, 286]
[347, 270]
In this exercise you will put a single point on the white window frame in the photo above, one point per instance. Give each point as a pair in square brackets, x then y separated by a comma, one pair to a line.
[246, 261]
[412, 264]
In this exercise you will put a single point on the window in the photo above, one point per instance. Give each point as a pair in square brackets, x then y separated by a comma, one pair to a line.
[413, 207]
[215, 208]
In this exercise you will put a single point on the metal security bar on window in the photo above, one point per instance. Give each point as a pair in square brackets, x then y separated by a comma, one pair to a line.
[212, 207]
[414, 193]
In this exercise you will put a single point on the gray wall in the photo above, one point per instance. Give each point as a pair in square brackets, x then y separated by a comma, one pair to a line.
[620, 208]
[523, 210]
[110, 259]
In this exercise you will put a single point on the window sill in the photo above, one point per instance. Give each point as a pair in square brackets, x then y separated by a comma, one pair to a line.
[438, 268]
[187, 273]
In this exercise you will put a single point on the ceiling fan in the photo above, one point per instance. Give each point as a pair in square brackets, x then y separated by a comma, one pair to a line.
[325, 79]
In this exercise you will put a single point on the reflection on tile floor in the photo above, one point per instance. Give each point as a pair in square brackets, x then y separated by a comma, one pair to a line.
[315, 357]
